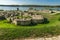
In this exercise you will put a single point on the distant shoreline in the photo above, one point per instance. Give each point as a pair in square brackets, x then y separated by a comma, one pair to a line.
[30, 5]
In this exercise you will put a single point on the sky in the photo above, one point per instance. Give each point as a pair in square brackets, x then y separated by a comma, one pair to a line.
[30, 2]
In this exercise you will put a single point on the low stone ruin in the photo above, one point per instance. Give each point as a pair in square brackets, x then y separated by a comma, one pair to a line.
[22, 21]
[22, 18]
[37, 18]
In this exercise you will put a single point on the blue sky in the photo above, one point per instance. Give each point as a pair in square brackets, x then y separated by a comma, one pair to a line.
[31, 2]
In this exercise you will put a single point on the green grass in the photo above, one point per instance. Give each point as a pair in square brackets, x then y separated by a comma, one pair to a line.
[9, 31]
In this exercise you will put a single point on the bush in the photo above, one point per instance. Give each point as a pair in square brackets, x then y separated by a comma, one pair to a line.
[45, 21]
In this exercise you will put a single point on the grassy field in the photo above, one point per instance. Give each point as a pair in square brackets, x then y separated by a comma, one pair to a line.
[9, 31]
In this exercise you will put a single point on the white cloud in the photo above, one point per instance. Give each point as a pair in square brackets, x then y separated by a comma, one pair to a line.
[8, 2]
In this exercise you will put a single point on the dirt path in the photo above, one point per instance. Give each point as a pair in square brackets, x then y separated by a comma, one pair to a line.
[51, 38]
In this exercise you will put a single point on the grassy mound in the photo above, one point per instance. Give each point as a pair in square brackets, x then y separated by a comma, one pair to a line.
[9, 31]
[12, 33]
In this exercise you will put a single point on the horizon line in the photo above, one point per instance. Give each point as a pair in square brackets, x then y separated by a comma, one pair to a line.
[28, 4]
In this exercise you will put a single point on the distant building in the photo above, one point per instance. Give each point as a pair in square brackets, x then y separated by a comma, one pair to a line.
[17, 9]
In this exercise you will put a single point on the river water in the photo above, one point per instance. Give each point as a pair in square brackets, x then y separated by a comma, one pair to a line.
[26, 8]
